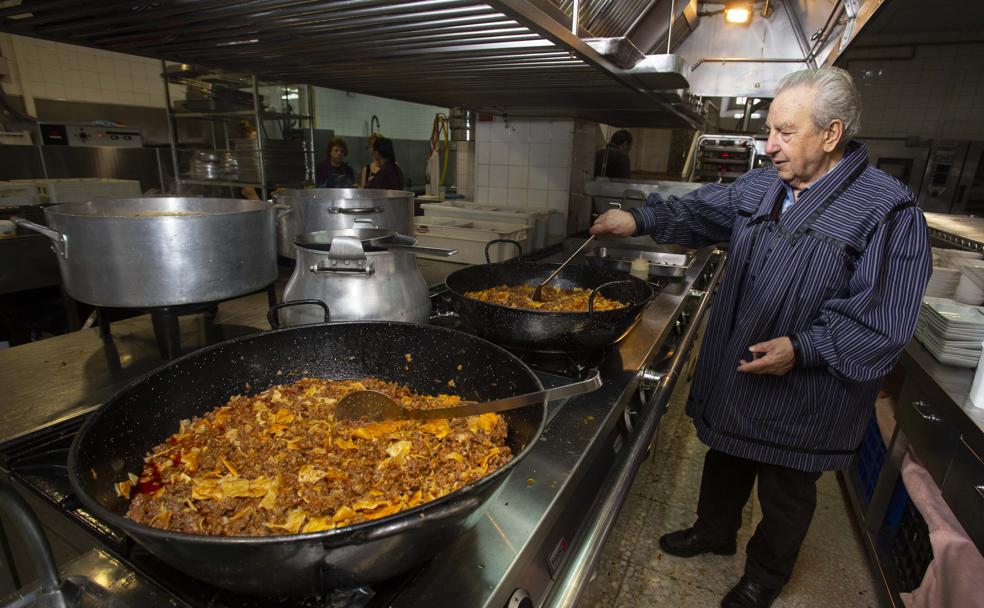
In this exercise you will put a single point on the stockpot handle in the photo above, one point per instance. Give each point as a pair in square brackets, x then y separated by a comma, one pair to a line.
[282, 209]
[494, 241]
[273, 316]
[430, 517]
[60, 240]
[356, 210]
[598, 289]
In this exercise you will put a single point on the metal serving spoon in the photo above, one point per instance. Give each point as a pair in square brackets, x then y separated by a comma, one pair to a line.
[374, 406]
[538, 292]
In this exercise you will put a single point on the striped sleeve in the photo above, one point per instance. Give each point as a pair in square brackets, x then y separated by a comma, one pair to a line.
[702, 217]
[860, 337]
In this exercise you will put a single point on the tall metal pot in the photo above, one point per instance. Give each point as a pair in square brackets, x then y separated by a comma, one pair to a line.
[161, 251]
[358, 280]
[314, 209]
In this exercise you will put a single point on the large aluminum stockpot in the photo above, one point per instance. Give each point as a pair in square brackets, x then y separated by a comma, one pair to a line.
[162, 251]
[316, 209]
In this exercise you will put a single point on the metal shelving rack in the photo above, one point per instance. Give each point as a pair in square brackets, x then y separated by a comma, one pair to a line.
[258, 115]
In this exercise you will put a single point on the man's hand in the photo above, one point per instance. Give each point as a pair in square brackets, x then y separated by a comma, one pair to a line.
[774, 357]
[615, 223]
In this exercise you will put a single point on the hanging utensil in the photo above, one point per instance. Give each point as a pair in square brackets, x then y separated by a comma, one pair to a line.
[374, 406]
[538, 292]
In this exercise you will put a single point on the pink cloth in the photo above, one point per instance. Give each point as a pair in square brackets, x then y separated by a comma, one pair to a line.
[954, 577]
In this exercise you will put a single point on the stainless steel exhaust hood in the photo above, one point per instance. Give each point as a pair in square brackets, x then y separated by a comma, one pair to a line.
[508, 56]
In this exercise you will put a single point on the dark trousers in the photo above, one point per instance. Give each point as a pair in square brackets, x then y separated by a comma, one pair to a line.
[788, 498]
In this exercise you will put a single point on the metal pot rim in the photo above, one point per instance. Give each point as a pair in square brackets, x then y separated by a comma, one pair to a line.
[70, 209]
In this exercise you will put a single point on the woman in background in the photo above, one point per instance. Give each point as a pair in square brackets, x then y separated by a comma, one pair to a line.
[389, 176]
[369, 170]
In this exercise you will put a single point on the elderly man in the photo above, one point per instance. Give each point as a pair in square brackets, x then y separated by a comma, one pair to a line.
[827, 264]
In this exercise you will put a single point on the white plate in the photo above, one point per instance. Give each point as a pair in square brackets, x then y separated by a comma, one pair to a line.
[948, 341]
[941, 348]
[947, 359]
[951, 332]
[954, 313]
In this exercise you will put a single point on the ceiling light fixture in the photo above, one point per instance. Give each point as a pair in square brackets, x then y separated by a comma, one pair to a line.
[738, 12]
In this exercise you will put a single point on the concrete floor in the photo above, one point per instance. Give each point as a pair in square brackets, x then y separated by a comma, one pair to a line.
[832, 569]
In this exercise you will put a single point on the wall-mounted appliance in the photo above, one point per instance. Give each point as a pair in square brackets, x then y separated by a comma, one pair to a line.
[90, 136]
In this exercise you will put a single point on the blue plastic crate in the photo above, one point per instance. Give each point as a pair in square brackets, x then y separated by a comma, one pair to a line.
[871, 457]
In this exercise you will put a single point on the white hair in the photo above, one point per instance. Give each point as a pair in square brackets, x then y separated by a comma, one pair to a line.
[836, 98]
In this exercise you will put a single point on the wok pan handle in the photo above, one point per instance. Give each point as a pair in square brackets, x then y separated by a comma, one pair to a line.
[451, 510]
[273, 315]
[494, 241]
[597, 289]
[60, 240]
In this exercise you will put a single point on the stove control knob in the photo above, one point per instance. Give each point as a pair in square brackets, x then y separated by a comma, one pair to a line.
[650, 379]
[520, 599]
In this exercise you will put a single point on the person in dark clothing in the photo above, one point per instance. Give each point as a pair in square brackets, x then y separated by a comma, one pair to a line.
[335, 172]
[827, 263]
[389, 176]
[613, 161]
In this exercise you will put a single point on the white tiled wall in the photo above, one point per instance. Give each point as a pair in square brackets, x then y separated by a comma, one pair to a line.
[349, 114]
[938, 94]
[524, 164]
[52, 70]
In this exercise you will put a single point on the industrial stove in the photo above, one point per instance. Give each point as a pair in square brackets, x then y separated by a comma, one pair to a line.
[536, 542]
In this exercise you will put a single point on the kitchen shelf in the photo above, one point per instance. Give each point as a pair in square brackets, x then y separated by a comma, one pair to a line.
[264, 151]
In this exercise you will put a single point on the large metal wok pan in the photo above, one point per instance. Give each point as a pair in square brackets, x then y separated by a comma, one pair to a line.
[115, 439]
[162, 251]
[548, 331]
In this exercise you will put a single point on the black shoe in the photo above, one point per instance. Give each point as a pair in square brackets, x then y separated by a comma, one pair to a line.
[747, 594]
[687, 543]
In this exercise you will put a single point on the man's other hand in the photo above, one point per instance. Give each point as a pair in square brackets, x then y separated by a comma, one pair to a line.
[774, 357]
[614, 223]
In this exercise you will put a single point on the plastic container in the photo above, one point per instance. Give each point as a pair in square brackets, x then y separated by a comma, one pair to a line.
[469, 238]
[536, 220]
[78, 190]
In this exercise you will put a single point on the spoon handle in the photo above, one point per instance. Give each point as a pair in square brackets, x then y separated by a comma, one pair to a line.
[500, 405]
[566, 262]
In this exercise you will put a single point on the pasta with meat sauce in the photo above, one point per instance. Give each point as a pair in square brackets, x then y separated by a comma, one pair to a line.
[278, 462]
[555, 299]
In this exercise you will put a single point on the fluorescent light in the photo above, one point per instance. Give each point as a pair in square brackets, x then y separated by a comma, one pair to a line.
[739, 115]
[756, 115]
[738, 13]
[741, 100]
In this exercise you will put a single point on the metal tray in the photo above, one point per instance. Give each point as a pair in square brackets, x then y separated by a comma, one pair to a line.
[664, 260]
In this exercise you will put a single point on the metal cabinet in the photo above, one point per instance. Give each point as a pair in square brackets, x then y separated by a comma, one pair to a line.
[933, 437]
[964, 491]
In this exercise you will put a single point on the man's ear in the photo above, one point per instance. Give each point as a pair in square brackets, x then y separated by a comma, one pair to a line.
[833, 135]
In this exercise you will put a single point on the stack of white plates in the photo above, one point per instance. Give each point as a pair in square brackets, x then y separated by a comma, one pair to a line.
[951, 332]
[943, 283]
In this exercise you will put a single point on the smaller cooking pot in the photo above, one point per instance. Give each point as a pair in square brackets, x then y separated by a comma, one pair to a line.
[361, 274]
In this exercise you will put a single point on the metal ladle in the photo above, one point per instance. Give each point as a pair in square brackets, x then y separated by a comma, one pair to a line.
[538, 292]
[374, 406]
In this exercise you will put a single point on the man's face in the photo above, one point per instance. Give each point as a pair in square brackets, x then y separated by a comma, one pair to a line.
[337, 155]
[798, 149]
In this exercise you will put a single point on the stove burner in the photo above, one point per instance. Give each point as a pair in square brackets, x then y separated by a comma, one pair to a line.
[167, 329]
